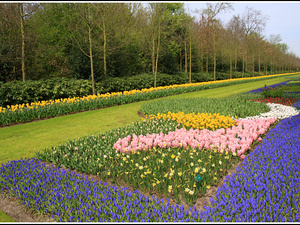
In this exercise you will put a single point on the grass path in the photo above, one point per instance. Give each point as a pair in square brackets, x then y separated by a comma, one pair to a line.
[20, 141]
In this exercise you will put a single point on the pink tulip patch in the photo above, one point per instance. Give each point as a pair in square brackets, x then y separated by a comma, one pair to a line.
[236, 139]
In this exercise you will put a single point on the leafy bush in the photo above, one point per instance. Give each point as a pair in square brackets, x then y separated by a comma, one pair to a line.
[19, 92]
[272, 92]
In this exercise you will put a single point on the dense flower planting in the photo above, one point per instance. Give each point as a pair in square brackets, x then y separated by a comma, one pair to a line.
[237, 139]
[259, 90]
[277, 100]
[69, 197]
[297, 104]
[161, 156]
[235, 106]
[197, 121]
[47, 109]
[292, 83]
[267, 187]
[277, 111]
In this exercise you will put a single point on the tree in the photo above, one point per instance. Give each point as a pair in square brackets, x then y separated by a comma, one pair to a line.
[253, 23]
[160, 26]
[10, 43]
[51, 23]
[25, 10]
[83, 33]
[214, 25]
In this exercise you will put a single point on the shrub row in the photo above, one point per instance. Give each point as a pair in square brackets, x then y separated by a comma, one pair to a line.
[18, 92]
[58, 108]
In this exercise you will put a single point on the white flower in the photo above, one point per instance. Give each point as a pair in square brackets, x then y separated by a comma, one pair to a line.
[277, 111]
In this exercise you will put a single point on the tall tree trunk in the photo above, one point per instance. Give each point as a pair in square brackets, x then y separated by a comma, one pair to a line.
[180, 61]
[153, 54]
[23, 41]
[215, 57]
[253, 66]
[230, 61]
[185, 52]
[206, 63]
[157, 54]
[190, 60]
[271, 67]
[235, 65]
[246, 62]
[243, 66]
[215, 62]
[104, 49]
[201, 62]
[259, 62]
[91, 60]
[91, 53]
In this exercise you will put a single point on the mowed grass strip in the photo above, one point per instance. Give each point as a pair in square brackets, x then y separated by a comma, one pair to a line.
[23, 140]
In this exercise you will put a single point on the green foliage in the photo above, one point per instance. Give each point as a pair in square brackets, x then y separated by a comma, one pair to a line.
[25, 114]
[19, 92]
[233, 106]
[292, 88]
[292, 83]
[272, 92]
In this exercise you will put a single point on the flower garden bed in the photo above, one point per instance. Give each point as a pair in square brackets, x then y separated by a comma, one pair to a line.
[21, 113]
[171, 160]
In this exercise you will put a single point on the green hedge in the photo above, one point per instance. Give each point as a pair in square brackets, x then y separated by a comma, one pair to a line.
[19, 92]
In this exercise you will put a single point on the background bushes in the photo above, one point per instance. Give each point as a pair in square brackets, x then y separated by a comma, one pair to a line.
[18, 92]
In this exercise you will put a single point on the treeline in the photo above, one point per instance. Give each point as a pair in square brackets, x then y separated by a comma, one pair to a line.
[100, 41]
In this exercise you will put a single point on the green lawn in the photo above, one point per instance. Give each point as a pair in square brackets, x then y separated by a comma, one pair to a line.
[25, 139]
[294, 88]
[5, 218]
[20, 141]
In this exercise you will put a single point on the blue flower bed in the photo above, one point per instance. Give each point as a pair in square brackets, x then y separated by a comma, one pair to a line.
[69, 197]
[271, 86]
[297, 104]
[267, 187]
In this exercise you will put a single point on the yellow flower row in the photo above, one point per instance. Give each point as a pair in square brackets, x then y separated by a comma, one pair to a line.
[197, 121]
[107, 95]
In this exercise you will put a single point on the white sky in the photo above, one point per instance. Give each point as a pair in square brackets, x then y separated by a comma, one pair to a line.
[283, 18]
